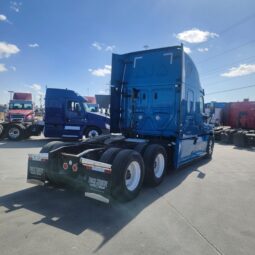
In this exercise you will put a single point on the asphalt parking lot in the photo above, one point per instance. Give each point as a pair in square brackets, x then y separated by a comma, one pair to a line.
[206, 208]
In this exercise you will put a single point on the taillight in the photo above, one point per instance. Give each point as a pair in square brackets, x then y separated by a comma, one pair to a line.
[65, 166]
[75, 167]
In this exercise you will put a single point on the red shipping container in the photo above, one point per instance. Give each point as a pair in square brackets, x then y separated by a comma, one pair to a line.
[241, 115]
[22, 96]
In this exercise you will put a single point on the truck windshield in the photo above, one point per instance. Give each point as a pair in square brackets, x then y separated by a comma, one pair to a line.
[20, 106]
[90, 107]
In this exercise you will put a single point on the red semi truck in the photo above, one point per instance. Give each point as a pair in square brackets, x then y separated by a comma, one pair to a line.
[20, 118]
[21, 108]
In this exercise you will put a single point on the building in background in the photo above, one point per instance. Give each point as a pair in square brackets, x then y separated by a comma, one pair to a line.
[3, 109]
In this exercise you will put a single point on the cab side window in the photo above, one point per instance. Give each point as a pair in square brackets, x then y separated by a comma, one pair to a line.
[73, 106]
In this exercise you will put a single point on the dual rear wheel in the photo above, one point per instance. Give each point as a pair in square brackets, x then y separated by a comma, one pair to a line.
[130, 169]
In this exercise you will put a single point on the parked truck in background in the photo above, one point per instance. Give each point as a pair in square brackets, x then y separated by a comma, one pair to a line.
[21, 108]
[20, 120]
[234, 122]
[67, 116]
[157, 123]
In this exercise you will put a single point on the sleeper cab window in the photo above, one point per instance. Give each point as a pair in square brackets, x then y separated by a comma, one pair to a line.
[190, 101]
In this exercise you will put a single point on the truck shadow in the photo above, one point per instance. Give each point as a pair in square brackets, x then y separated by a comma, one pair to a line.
[30, 143]
[244, 148]
[70, 211]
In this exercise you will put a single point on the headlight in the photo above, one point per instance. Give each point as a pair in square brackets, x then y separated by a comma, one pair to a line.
[107, 126]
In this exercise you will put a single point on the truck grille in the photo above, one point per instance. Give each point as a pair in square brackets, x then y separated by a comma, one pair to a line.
[16, 117]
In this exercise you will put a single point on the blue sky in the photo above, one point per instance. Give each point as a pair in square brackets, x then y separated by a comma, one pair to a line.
[68, 44]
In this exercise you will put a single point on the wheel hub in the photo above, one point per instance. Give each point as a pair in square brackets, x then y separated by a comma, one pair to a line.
[14, 132]
[133, 175]
[159, 165]
[93, 133]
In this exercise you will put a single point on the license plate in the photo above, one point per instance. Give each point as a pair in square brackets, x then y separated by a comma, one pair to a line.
[38, 171]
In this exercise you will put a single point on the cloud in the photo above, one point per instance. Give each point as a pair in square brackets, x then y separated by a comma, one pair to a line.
[110, 48]
[187, 50]
[97, 45]
[36, 87]
[195, 35]
[3, 68]
[203, 49]
[102, 46]
[3, 17]
[7, 49]
[101, 72]
[33, 45]
[241, 70]
[15, 6]
[37, 92]
[13, 68]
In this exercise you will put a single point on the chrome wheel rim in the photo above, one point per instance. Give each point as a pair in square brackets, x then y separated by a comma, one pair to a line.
[93, 133]
[133, 176]
[14, 132]
[159, 165]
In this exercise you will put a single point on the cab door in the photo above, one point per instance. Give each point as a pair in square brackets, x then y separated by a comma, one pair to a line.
[74, 119]
[189, 138]
[202, 133]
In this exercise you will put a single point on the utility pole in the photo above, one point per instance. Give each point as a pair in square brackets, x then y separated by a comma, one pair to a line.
[40, 100]
[11, 94]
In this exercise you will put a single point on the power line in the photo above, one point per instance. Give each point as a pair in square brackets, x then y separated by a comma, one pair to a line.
[227, 51]
[215, 70]
[227, 90]
[237, 23]
[219, 82]
[245, 19]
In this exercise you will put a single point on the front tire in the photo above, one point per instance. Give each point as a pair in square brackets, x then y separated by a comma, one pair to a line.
[15, 132]
[92, 132]
[210, 146]
[128, 174]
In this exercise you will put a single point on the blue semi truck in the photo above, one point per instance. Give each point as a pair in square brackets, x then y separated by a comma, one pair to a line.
[157, 123]
[67, 116]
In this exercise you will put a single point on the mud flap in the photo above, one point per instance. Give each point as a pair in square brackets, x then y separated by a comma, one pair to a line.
[37, 165]
[97, 180]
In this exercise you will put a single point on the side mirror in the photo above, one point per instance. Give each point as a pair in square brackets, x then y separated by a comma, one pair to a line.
[205, 117]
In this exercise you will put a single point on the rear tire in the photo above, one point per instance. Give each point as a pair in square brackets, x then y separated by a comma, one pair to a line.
[109, 155]
[155, 159]
[128, 174]
[46, 149]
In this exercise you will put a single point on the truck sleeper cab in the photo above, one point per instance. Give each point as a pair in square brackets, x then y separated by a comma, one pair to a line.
[67, 116]
[157, 105]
